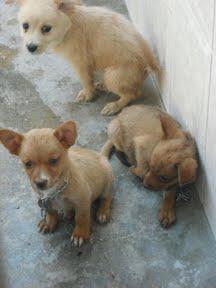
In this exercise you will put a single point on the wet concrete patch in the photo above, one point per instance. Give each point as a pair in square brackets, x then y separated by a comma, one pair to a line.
[12, 21]
[6, 56]
[63, 81]
[21, 105]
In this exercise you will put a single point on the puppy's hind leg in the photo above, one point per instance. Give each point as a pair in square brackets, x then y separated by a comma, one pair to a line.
[124, 83]
[114, 107]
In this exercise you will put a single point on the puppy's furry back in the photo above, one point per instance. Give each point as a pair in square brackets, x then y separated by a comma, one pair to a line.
[112, 39]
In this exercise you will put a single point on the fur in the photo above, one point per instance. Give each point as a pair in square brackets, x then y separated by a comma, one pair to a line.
[91, 39]
[160, 152]
[88, 173]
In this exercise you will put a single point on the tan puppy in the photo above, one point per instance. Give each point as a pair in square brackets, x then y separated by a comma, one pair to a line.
[160, 153]
[91, 39]
[64, 178]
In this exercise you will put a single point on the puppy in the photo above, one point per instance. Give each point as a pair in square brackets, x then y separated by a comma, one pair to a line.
[160, 152]
[91, 39]
[64, 177]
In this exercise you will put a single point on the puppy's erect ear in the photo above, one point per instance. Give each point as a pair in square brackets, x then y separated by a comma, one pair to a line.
[66, 133]
[187, 171]
[67, 5]
[11, 140]
[169, 126]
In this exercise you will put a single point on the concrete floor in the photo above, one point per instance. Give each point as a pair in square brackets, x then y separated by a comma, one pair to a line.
[132, 250]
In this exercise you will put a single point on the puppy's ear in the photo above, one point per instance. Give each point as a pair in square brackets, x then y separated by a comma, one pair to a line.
[67, 5]
[66, 133]
[11, 140]
[169, 126]
[187, 171]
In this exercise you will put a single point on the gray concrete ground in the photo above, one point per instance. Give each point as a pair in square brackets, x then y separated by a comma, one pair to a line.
[132, 250]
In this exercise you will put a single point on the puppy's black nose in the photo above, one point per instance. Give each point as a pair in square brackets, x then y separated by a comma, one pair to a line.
[42, 184]
[32, 47]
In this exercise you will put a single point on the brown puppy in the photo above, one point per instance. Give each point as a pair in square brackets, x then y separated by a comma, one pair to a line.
[160, 152]
[64, 178]
[91, 39]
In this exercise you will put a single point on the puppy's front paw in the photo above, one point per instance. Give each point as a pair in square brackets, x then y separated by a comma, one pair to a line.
[44, 227]
[110, 109]
[84, 96]
[137, 171]
[79, 236]
[103, 216]
[167, 217]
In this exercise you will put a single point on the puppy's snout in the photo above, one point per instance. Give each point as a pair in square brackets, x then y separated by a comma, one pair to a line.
[32, 47]
[146, 185]
[42, 185]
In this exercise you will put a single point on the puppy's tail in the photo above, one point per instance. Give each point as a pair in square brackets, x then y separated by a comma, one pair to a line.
[154, 67]
[108, 149]
[158, 73]
[151, 64]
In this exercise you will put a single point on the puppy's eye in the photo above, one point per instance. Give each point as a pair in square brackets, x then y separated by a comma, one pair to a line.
[53, 161]
[164, 178]
[25, 26]
[29, 164]
[46, 29]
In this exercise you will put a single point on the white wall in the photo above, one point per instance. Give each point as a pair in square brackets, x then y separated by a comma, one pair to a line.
[183, 35]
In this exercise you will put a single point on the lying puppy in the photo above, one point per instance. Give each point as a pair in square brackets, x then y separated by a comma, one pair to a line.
[160, 153]
[91, 39]
[64, 178]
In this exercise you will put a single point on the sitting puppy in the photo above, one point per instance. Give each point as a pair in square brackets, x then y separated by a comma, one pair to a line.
[91, 39]
[160, 152]
[64, 178]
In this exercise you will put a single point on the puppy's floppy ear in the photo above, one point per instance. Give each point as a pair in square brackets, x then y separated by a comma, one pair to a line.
[169, 126]
[187, 171]
[11, 140]
[67, 5]
[66, 133]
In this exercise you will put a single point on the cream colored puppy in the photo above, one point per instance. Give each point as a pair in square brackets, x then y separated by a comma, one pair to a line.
[64, 178]
[159, 151]
[91, 39]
